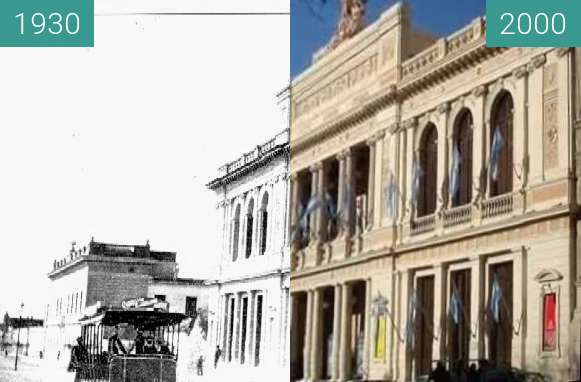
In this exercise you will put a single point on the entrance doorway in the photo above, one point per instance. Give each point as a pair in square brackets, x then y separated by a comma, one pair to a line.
[500, 344]
[297, 340]
[424, 325]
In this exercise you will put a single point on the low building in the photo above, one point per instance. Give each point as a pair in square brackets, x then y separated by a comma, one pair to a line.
[27, 332]
[100, 273]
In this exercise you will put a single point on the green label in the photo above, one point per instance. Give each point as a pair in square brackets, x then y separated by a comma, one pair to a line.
[533, 23]
[47, 23]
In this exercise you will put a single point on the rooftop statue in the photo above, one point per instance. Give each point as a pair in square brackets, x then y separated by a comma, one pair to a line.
[352, 21]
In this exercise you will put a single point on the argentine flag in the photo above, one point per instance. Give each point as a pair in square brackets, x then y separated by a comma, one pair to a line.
[455, 181]
[495, 299]
[455, 305]
[497, 146]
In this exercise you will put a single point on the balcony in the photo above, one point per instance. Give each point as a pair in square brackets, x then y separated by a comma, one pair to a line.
[457, 216]
[423, 224]
[497, 206]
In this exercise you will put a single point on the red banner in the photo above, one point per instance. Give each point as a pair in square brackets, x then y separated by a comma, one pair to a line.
[550, 322]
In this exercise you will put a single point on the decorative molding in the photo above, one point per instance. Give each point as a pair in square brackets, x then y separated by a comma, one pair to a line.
[410, 123]
[444, 108]
[548, 275]
[479, 91]
[520, 72]
[536, 63]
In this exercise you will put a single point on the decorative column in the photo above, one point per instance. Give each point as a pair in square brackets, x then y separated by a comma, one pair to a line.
[368, 321]
[372, 142]
[316, 335]
[341, 180]
[519, 306]
[439, 324]
[350, 190]
[444, 110]
[520, 133]
[380, 199]
[294, 200]
[255, 221]
[337, 311]
[308, 336]
[345, 352]
[313, 234]
[409, 155]
[479, 146]
[321, 212]
[477, 288]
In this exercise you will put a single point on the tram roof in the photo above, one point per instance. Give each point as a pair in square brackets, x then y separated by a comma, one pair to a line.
[135, 317]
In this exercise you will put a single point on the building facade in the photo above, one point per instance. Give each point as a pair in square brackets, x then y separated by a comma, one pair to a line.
[99, 274]
[446, 178]
[249, 308]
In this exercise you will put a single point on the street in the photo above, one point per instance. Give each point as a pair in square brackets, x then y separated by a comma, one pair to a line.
[32, 369]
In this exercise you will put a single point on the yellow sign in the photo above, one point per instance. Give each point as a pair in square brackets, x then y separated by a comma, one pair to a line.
[380, 338]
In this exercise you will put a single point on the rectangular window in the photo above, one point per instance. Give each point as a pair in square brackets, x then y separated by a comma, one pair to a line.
[244, 326]
[191, 306]
[231, 329]
[550, 322]
[264, 229]
[160, 297]
[258, 330]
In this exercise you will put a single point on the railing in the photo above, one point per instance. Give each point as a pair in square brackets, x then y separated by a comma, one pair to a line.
[497, 206]
[422, 60]
[457, 42]
[457, 215]
[423, 224]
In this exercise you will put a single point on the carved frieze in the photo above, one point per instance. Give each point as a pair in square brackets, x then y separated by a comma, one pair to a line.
[356, 75]
[550, 116]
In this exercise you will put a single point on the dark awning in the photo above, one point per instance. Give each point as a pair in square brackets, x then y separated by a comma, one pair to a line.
[145, 319]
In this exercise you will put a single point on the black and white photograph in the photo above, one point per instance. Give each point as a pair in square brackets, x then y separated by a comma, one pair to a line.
[143, 201]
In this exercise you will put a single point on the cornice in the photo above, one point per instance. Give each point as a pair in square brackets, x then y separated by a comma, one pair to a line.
[244, 170]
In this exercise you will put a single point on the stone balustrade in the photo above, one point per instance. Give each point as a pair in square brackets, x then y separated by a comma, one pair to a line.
[497, 206]
[457, 215]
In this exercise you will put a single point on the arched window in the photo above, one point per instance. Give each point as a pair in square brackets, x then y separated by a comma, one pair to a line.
[236, 233]
[263, 224]
[462, 190]
[249, 227]
[502, 120]
[428, 193]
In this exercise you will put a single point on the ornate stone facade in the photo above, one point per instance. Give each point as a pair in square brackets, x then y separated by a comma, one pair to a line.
[249, 301]
[360, 116]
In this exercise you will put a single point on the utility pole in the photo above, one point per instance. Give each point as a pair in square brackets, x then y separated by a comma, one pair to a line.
[18, 337]
[17, 343]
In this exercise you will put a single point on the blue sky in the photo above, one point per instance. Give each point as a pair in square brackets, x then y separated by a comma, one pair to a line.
[309, 33]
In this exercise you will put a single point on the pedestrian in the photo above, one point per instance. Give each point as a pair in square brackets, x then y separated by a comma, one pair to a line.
[58, 355]
[200, 365]
[115, 346]
[217, 356]
[79, 359]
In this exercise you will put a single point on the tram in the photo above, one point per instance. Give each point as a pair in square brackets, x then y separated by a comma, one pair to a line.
[129, 345]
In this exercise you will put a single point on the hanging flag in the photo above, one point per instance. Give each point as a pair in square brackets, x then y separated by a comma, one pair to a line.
[312, 206]
[455, 305]
[455, 180]
[417, 173]
[497, 146]
[330, 206]
[495, 298]
[391, 197]
[411, 324]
